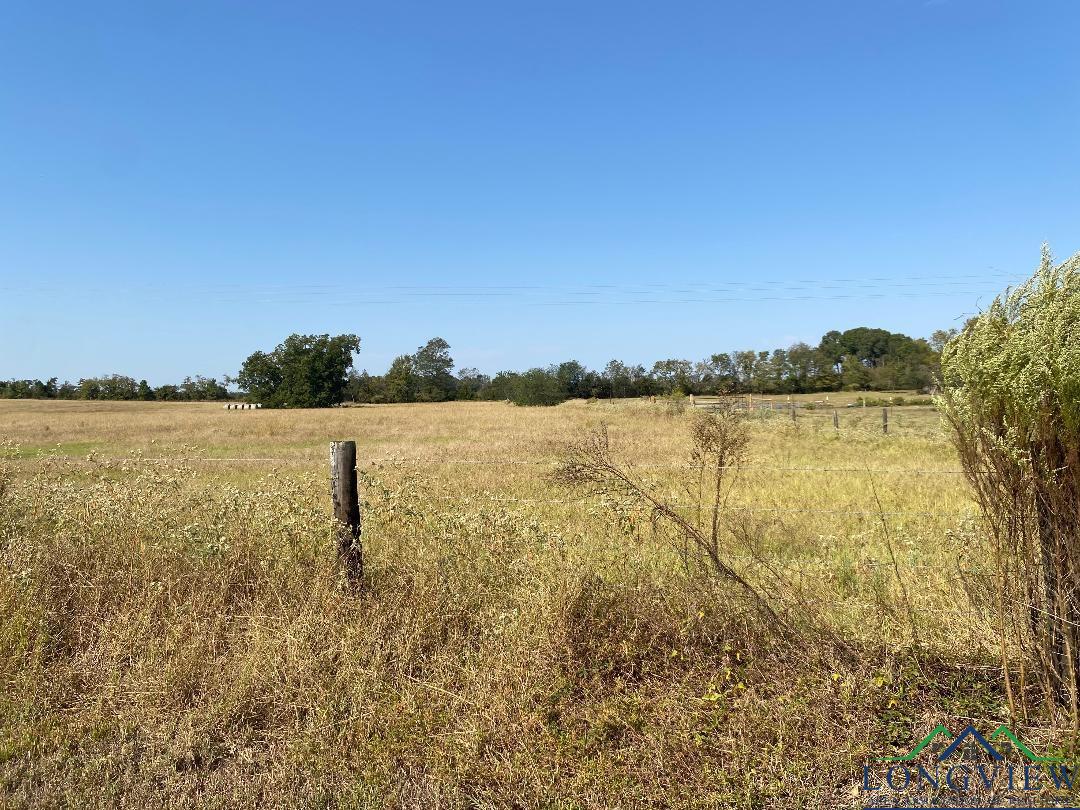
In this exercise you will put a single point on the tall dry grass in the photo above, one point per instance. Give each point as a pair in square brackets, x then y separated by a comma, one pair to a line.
[174, 633]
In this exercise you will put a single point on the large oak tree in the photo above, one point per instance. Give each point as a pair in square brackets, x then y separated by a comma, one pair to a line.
[304, 371]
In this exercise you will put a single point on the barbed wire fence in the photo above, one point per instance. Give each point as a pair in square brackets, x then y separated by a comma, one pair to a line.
[956, 574]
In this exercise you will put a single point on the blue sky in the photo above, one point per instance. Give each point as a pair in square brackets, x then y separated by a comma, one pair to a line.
[183, 183]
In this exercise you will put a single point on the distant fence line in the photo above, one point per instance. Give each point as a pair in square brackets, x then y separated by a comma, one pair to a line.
[242, 406]
[783, 403]
[801, 409]
[912, 471]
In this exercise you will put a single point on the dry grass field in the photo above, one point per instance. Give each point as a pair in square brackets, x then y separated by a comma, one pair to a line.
[175, 632]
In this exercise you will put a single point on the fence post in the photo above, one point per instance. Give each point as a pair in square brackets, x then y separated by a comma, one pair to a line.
[884, 420]
[793, 413]
[346, 499]
[836, 419]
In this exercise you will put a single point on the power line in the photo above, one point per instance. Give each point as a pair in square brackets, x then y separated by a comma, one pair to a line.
[619, 293]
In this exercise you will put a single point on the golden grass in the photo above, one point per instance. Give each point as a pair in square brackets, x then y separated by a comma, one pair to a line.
[175, 633]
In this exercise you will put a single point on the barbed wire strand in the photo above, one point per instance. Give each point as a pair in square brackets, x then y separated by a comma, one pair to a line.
[487, 462]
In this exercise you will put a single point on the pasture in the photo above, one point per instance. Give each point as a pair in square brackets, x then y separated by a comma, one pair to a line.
[175, 631]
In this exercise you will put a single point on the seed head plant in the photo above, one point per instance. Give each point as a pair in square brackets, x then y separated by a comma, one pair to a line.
[1012, 397]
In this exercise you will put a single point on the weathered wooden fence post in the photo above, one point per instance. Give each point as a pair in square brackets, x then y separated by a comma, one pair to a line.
[346, 498]
[793, 413]
[884, 420]
[835, 419]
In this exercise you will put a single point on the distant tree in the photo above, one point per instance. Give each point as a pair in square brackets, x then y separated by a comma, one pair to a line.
[805, 367]
[641, 384]
[167, 393]
[89, 388]
[573, 379]
[111, 386]
[470, 382]
[432, 365]
[364, 387]
[593, 385]
[146, 393]
[119, 386]
[868, 346]
[261, 377]
[401, 382]
[202, 389]
[304, 371]
[776, 373]
[502, 386]
[617, 376]
[724, 373]
[855, 376]
[746, 370]
[940, 337]
[673, 375]
[832, 349]
[537, 386]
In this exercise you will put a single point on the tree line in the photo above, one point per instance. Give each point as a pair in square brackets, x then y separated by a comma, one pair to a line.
[860, 359]
[116, 387]
[308, 371]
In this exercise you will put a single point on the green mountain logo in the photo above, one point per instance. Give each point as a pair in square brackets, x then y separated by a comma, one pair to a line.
[970, 734]
[1003, 731]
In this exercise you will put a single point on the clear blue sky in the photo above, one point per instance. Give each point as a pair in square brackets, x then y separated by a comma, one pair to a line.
[182, 183]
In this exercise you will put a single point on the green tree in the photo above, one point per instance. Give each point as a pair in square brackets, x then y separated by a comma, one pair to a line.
[673, 375]
[202, 389]
[304, 371]
[537, 386]
[855, 376]
[89, 388]
[618, 380]
[364, 387]
[746, 367]
[502, 386]
[724, 373]
[401, 382]
[432, 365]
[940, 337]
[111, 386]
[573, 379]
[470, 383]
